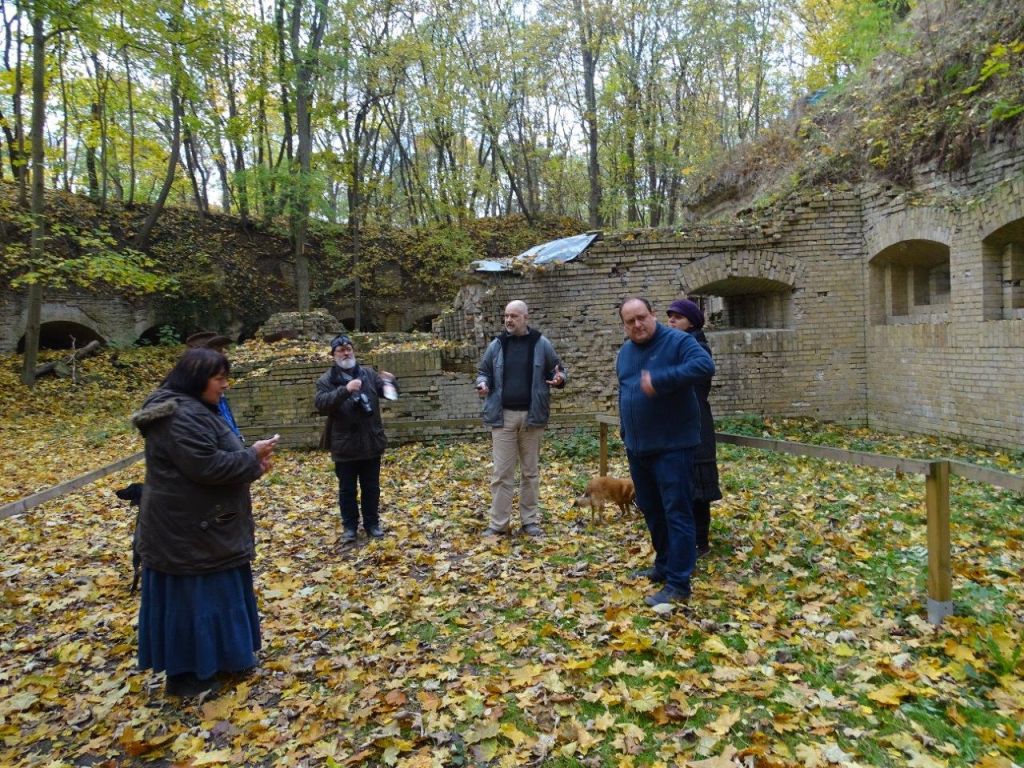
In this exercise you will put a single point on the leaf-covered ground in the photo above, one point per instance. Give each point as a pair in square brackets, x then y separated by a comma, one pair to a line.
[805, 645]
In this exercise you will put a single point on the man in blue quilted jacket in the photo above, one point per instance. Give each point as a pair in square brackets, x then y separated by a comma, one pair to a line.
[659, 416]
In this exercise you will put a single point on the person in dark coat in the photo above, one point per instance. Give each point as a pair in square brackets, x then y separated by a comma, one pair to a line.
[684, 315]
[196, 534]
[349, 394]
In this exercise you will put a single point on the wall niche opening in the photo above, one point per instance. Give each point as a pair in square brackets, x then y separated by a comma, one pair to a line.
[745, 303]
[910, 283]
[63, 334]
[1003, 272]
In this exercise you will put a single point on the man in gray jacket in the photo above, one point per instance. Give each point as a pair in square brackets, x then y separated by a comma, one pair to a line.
[514, 377]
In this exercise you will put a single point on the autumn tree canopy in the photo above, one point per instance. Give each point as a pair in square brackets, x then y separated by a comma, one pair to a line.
[410, 113]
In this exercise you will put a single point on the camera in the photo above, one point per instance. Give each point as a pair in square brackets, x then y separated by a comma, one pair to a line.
[363, 402]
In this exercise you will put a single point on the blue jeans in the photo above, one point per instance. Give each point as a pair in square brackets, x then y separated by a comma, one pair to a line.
[663, 484]
[367, 473]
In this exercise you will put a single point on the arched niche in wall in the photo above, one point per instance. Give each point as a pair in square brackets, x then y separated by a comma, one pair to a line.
[424, 323]
[63, 334]
[1003, 272]
[909, 283]
[741, 290]
[161, 333]
[740, 303]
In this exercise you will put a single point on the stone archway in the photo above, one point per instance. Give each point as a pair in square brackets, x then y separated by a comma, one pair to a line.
[58, 322]
[745, 288]
[925, 223]
[63, 334]
[1002, 253]
[909, 281]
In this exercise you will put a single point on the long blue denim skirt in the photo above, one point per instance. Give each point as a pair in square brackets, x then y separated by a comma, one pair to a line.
[199, 624]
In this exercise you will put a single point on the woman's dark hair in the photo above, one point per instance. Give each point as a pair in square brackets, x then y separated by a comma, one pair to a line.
[194, 370]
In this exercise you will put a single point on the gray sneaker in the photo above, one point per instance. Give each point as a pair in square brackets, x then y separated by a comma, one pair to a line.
[490, 533]
[348, 536]
[667, 594]
[532, 530]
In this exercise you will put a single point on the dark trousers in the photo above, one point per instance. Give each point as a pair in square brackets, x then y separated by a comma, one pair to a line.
[663, 491]
[702, 522]
[365, 472]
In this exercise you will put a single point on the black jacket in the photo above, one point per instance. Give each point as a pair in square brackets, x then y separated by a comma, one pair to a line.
[196, 511]
[355, 434]
[705, 463]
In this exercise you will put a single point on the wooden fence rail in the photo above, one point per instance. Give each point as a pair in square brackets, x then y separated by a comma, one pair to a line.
[936, 474]
[24, 505]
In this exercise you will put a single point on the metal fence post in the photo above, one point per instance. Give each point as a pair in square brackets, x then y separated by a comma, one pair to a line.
[940, 571]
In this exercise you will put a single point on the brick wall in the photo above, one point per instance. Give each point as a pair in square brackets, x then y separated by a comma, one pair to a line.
[813, 367]
[834, 349]
[115, 319]
[955, 371]
[437, 398]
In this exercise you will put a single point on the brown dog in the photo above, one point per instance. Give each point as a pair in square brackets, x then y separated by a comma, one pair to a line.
[601, 490]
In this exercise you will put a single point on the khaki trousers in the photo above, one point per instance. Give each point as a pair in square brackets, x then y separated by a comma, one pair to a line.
[511, 444]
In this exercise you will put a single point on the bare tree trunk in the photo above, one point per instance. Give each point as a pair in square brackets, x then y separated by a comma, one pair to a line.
[240, 187]
[113, 166]
[288, 138]
[192, 168]
[142, 238]
[225, 183]
[131, 121]
[101, 96]
[589, 50]
[306, 62]
[35, 291]
[90, 168]
[355, 209]
[64, 111]
[19, 124]
[13, 37]
[12, 148]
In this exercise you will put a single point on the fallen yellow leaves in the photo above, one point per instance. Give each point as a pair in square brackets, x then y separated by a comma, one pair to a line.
[726, 719]
[890, 694]
[430, 648]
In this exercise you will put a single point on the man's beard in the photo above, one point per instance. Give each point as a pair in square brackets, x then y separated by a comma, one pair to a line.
[348, 363]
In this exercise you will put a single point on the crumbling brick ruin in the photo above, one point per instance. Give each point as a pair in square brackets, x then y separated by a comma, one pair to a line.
[902, 310]
[873, 306]
[870, 306]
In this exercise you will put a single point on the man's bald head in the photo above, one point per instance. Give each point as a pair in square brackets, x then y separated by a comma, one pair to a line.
[516, 313]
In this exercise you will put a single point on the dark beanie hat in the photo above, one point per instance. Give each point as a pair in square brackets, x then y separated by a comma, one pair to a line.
[689, 310]
[340, 341]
